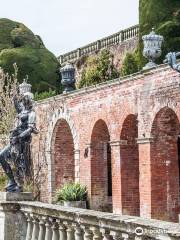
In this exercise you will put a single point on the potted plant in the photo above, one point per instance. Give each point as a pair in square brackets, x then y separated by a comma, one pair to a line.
[72, 195]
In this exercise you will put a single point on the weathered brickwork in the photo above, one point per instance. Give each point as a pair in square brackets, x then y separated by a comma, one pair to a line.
[121, 135]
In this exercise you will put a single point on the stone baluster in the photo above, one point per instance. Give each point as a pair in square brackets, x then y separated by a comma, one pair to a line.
[96, 233]
[98, 45]
[127, 34]
[78, 232]
[105, 234]
[69, 230]
[48, 234]
[88, 235]
[55, 230]
[62, 230]
[35, 232]
[132, 32]
[78, 52]
[125, 236]
[121, 36]
[116, 235]
[42, 228]
[29, 227]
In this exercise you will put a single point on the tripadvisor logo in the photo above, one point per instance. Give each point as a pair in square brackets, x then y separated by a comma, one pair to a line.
[139, 231]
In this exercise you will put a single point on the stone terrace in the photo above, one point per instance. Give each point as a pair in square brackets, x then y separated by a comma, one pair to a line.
[120, 139]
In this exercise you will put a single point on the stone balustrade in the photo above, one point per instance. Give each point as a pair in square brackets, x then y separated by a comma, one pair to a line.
[54, 222]
[106, 42]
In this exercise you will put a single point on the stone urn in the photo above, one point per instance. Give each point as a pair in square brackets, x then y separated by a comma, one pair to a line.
[68, 77]
[152, 48]
[75, 204]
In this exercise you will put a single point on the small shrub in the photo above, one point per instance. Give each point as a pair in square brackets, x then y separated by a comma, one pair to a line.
[71, 192]
[129, 65]
[43, 95]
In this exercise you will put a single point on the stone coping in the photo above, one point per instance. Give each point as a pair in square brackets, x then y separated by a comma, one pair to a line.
[118, 81]
[116, 222]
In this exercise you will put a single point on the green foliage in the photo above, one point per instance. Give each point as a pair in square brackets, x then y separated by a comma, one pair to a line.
[43, 95]
[19, 45]
[71, 192]
[3, 182]
[129, 65]
[98, 69]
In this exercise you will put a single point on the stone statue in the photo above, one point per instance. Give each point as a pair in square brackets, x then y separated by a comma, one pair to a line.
[17, 152]
[171, 60]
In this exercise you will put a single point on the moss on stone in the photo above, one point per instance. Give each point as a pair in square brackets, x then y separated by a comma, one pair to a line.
[19, 44]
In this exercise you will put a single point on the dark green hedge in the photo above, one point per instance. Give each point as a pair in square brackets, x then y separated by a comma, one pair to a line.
[19, 45]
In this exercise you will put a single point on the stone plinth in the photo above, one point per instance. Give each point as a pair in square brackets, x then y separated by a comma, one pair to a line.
[14, 196]
[12, 220]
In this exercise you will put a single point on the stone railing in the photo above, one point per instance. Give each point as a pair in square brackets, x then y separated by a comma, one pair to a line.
[106, 42]
[39, 221]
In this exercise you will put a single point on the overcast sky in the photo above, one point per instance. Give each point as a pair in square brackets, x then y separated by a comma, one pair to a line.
[65, 25]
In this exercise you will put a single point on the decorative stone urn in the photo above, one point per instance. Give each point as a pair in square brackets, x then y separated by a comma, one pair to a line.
[68, 77]
[152, 48]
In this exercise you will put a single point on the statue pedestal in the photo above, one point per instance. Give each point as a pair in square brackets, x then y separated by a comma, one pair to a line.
[15, 196]
[12, 220]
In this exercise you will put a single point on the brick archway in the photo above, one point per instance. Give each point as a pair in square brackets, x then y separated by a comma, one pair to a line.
[101, 179]
[60, 115]
[129, 155]
[63, 154]
[165, 166]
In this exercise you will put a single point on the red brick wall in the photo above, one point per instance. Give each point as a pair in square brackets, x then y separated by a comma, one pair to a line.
[142, 97]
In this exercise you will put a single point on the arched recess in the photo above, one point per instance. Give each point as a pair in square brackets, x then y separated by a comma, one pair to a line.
[63, 154]
[129, 156]
[165, 166]
[101, 179]
[59, 117]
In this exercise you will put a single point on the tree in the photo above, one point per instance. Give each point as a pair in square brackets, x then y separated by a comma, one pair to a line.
[129, 65]
[8, 88]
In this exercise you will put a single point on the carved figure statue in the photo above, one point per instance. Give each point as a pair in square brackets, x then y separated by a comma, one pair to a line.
[17, 152]
[171, 60]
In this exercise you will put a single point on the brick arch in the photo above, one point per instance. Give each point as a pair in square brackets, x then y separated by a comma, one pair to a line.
[157, 108]
[101, 179]
[129, 155]
[58, 116]
[165, 164]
